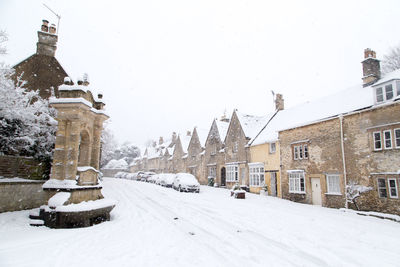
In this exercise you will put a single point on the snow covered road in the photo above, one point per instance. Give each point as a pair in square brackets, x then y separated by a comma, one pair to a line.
[156, 226]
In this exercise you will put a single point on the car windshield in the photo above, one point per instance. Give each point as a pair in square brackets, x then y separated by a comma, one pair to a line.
[187, 179]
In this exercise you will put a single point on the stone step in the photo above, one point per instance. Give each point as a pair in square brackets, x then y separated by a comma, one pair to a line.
[36, 222]
[35, 214]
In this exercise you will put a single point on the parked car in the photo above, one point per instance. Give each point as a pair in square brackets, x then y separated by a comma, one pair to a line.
[152, 178]
[186, 182]
[166, 179]
[145, 176]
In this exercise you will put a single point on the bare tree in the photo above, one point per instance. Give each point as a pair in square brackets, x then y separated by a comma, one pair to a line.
[391, 61]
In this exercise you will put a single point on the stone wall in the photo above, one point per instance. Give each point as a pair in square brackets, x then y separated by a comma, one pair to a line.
[22, 167]
[21, 195]
[364, 165]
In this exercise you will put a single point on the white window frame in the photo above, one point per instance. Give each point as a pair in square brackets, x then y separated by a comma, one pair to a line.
[396, 138]
[295, 152]
[375, 140]
[272, 148]
[386, 91]
[381, 187]
[384, 139]
[212, 171]
[397, 88]
[232, 173]
[295, 178]
[256, 174]
[395, 187]
[305, 147]
[333, 179]
[382, 94]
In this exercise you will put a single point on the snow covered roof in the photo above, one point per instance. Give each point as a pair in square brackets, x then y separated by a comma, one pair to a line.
[351, 99]
[222, 128]
[252, 125]
[185, 140]
[394, 75]
[202, 133]
[153, 152]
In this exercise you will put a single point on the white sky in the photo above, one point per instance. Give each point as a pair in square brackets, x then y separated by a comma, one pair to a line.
[167, 66]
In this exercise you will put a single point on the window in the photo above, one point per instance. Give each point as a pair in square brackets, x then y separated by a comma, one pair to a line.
[379, 94]
[214, 149]
[377, 141]
[387, 137]
[272, 148]
[212, 171]
[305, 151]
[257, 175]
[296, 152]
[235, 147]
[397, 138]
[232, 173]
[382, 187]
[333, 184]
[389, 91]
[300, 152]
[398, 87]
[296, 182]
[392, 183]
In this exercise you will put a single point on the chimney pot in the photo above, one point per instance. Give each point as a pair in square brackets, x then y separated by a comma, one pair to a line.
[100, 96]
[52, 29]
[45, 26]
[188, 133]
[67, 80]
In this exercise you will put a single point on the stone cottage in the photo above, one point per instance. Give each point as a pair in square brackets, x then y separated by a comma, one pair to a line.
[214, 154]
[345, 143]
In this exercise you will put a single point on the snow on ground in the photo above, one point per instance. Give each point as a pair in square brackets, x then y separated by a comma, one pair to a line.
[157, 226]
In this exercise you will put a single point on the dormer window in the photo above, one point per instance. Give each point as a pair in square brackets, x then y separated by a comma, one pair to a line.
[387, 91]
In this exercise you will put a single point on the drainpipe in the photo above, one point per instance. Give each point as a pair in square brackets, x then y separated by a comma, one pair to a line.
[344, 160]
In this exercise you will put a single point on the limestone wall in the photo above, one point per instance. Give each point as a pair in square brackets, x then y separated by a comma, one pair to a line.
[22, 195]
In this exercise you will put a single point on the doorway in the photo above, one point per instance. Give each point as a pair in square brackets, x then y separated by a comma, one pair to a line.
[316, 191]
[223, 176]
[274, 187]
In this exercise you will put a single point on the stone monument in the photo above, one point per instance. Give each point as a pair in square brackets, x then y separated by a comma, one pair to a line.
[74, 188]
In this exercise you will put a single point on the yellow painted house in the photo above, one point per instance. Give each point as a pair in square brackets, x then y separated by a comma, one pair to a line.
[264, 163]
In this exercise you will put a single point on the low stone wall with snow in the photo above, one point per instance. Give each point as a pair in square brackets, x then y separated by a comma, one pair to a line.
[21, 194]
[112, 172]
[24, 167]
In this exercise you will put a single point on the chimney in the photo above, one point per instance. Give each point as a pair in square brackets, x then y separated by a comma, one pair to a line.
[47, 40]
[100, 96]
[45, 25]
[371, 68]
[161, 140]
[188, 133]
[85, 79]
[174, 137]
[279, 102]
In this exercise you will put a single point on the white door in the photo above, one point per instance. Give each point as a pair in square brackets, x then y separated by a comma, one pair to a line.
[316, 191]
[273, 184]
[243, 175]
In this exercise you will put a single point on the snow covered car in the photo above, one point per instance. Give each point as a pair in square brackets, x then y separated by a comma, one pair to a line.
[186, 182]
[166, 179]
[152, 178]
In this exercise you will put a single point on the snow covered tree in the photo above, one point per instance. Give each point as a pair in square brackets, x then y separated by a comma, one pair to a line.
[391, 61]
[354, 191]
[27, 124]
[108, 145]
[129, 152]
